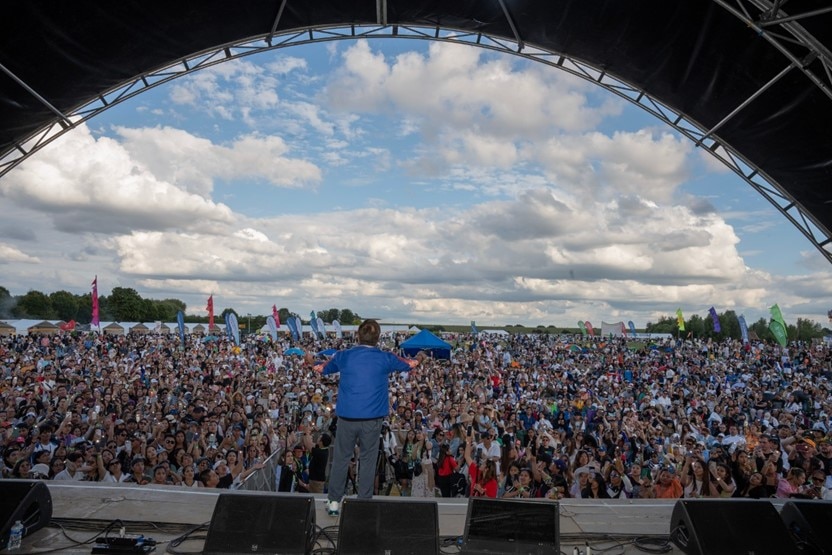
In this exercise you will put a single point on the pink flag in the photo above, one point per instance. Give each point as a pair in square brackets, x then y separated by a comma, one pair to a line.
[276, 315]
[95, 321]
[210, 309]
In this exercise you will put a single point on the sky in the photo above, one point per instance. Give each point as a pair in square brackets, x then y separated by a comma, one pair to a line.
[410, 181]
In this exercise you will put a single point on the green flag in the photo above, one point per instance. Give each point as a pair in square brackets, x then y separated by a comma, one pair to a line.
[680, 320]
[779, 331]
[777, 316]
[582, 327]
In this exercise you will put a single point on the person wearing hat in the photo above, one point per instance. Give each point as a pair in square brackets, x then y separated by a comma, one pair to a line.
[40, 471]
[362, 406]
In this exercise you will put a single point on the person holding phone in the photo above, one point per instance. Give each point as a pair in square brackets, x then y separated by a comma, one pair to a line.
[362, 407]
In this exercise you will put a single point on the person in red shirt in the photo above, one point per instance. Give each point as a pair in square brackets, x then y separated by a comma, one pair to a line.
[482, 472]
[445, 466]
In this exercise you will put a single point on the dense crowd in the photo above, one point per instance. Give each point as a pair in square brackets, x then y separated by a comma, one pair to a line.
[516, 416]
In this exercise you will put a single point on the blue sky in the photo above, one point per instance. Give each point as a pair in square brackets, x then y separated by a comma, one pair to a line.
[406, 180]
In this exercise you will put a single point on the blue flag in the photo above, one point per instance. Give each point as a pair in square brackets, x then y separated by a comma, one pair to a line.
[743, 328]
[715, 318]
[632, 327]
[293, 327]
[180, 319]
[474, 328]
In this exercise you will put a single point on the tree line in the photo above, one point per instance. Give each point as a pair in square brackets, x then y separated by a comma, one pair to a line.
[125, 304]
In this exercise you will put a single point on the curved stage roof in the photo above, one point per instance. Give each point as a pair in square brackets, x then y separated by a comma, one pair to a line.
[751, 80]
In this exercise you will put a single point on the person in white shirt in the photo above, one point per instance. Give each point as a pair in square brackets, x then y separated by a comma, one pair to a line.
[73, 469]
[490, 449]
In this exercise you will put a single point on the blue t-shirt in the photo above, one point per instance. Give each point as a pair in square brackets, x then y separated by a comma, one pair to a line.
[363, 386]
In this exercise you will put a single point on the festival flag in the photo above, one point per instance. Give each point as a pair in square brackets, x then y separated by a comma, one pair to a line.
[474, 328]
[589, 329]
[95, 321]
[743, 328]
[313, 323]
[276, 315]
[67, 326]
[680, 320]
[321, 327]
[270, 321]
[336, 325]
[623, 329]
[232, 327]
[299, 325]
[632, 327]
[180, 319]
[293, 328]
[210, 309]
[778, 325]
[715, 318]
[582, 327]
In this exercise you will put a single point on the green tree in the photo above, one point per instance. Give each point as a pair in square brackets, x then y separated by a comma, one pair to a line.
[65, 305]
[125, 305]
[348, 317]
[33, 304]
[730, 324]
[284, 315]
[808, 330]
[167, 309]
[665, 324]
[760, 328]
[695, 326]
[6, 303]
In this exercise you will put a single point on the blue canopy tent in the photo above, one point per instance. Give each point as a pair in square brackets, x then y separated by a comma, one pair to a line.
[426, 341]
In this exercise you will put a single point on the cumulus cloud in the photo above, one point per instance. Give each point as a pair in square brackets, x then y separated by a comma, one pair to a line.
[10, 254]
[90, 184]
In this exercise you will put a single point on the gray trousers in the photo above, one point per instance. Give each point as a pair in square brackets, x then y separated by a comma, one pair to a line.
[365, 434]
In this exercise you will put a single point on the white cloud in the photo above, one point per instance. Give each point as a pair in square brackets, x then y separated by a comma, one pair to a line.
[10, 254]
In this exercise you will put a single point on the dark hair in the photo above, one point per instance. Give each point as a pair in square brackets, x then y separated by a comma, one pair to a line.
[369, 332]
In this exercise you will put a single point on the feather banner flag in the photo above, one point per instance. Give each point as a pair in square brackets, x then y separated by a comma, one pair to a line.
[210, 309]
[231, 318]
[582, 327]
[321, 327]
[743, 328]
[632, 327]
[680, 320]
[293, 328]
[474, 329]
[778, 325]
[299, 325]
[313, 323]
[272, 327]
[589, 329]
[715, 318]
[228, 326]
[94, 297]
[336, 325]
[623, 329]
[276, 316]
[180, 320]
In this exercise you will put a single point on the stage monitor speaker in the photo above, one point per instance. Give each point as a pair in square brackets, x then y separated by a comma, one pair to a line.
[388, 527]
[261, 523]
[28, 501]
[810, 522]
[511, 526]
[729, 527]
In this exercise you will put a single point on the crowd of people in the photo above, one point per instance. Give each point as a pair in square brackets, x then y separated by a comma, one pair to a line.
[521, 416]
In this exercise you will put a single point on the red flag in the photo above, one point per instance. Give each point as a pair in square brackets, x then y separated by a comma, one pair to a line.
[276, 316]
[68, 326]
[210, 309]
[95, 321]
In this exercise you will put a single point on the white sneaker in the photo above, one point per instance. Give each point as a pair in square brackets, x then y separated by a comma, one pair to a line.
[333, 508]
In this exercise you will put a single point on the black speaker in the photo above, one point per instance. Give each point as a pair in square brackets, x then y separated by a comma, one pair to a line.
[28, 501]
[810, 522]
[261, 523]
[729, 527]
[511, 526]
[388, 527]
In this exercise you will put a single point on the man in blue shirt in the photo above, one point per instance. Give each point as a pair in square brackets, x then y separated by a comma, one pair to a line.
[363, 404]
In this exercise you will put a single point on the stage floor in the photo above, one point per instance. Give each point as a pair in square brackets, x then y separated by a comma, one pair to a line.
[164, 513]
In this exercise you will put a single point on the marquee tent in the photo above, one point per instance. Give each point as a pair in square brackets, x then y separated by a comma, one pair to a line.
[426, 341]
